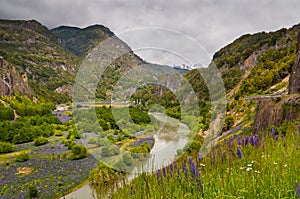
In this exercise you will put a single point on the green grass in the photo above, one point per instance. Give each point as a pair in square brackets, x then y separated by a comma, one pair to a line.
[269, 169]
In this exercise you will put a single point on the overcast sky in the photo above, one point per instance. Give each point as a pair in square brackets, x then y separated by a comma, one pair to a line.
[212, 23]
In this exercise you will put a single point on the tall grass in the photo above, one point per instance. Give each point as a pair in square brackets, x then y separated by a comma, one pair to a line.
[245, 166]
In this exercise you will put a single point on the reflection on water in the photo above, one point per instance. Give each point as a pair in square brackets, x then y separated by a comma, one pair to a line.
[172, 136]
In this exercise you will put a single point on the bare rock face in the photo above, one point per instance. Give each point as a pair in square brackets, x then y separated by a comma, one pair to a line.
[294, 85]
[272, 112]
[11, 81]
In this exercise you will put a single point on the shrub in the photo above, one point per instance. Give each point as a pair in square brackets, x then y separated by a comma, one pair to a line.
[128, 159]
[110, 151]
[58, 133]
[6, 147]
[78, 152]
[22, 157]
[32, 191]
[40, 141]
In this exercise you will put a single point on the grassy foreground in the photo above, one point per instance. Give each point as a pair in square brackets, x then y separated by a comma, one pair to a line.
[243, 166]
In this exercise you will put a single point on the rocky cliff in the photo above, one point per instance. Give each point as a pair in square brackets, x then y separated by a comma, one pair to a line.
[294, 83]
[11, 81]
[274, 112]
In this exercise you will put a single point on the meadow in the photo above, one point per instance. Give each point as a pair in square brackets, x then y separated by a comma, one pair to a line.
[243, 165]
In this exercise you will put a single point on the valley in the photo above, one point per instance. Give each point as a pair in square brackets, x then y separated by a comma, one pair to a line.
[52, 143]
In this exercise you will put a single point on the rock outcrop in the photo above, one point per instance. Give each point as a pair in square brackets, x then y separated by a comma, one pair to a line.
[272, 112]
[294, 84]
[11, 81]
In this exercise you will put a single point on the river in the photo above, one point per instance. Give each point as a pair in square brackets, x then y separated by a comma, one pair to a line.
[172, 136]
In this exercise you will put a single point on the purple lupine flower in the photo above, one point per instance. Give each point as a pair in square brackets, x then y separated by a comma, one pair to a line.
[251, 139]
[273, 132]
[200, 156]
[239, 140]
[246, 140]
[200, 186]
[171, 169]
[158, 174]
[132, 191]
[276, 138]
[298, 189]
[239, 153]
[185, 171]
[193, 168]
[176, 168]
[164, 170]
[256, 140]
[299, 129]
[223, 156]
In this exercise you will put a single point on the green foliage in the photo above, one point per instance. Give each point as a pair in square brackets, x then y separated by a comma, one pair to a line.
[6, 113]
[33, 48]
[110, 150]
[32, 191]
[26, 107]
[267, 169]
[106, 179]
[40, 141]
[228, 123]
[69, 143]
[22, 157]
[27, 129]
[138, 116]
[274, 65]
[80, 41]
[78, 152]
[6, 147]
[142, 148]
[194, 145]
[128, 159]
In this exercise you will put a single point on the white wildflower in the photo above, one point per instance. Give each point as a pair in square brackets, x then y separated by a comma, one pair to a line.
[248, 169]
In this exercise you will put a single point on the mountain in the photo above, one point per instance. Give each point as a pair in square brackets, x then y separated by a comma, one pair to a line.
[252, 65]
[33, 62]
[38, 62]
[80, 41]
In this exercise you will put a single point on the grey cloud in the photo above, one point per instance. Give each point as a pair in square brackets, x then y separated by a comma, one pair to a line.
[213, 23]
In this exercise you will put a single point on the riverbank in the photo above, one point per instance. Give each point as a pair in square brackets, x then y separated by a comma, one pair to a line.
[82, 189]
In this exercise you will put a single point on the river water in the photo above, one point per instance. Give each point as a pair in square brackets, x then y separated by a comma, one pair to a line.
[172, 136]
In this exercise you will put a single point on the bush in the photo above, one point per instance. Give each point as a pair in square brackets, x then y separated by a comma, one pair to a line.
[6, 147]
[32, 191]
[6, 113]
[110, 151]
[22, 157]
[78, 152]
[128, 159]
[229, 121]
[58, 133]
[40, 141]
